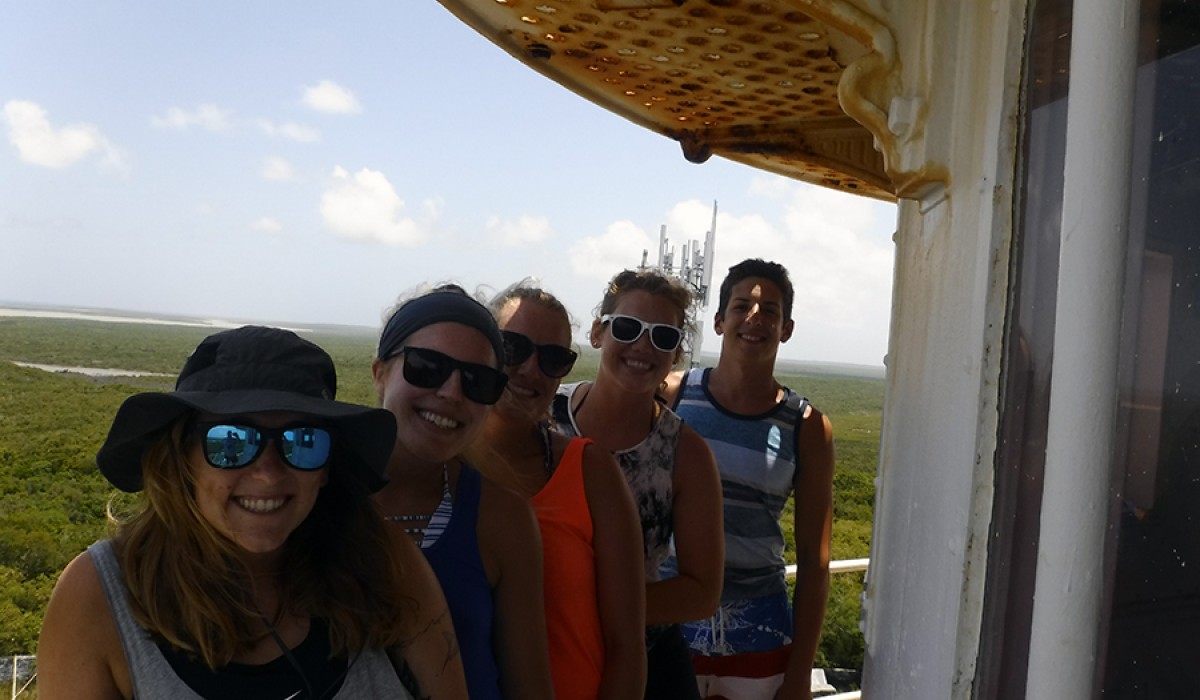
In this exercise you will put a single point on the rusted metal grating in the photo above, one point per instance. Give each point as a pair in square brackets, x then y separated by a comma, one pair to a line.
[752, 81]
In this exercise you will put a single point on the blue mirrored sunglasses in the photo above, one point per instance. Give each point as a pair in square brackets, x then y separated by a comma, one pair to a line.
[237, 445]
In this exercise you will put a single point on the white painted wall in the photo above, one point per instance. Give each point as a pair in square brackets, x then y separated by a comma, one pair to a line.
[924, 595]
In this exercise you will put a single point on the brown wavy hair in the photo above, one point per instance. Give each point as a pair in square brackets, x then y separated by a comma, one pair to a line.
[657, 284]
[188, 586]
[528, 289]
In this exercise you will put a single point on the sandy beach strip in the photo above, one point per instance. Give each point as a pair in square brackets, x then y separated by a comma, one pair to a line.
[91, 371]
[84, 316]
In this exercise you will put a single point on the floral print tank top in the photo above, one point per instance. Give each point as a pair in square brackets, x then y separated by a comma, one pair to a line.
[649, 469]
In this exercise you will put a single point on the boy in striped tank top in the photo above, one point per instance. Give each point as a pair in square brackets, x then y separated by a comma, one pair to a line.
[769, 443]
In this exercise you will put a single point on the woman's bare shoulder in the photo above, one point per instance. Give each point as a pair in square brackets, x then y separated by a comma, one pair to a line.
[79, 651]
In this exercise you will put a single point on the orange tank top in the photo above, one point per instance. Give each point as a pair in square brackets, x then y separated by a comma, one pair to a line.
[572, 609]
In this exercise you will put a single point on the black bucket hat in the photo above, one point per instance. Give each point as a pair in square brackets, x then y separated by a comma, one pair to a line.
[250, 370]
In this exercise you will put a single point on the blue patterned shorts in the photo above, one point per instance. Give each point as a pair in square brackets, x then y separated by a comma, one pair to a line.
[743, 626]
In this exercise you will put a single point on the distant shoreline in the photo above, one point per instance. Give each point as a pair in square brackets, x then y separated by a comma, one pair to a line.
[19, 310]
[86, 315]
[12, 310]
[91, 371]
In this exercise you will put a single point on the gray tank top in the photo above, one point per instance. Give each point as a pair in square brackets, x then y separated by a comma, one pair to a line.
[370, 674]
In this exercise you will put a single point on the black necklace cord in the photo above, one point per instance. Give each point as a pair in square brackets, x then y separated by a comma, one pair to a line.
[287, 653]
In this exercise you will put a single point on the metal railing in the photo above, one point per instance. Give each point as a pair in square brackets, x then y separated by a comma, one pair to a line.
[19, 673]
[841, 566]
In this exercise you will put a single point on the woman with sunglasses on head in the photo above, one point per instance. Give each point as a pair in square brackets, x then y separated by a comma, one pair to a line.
[252, 568]
[437, 370]
[591, 538]
[668, 467]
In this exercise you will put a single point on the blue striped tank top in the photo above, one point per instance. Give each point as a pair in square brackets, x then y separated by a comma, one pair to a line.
[756, 456]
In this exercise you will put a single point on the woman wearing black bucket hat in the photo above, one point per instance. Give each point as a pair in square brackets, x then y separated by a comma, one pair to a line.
[254, 567]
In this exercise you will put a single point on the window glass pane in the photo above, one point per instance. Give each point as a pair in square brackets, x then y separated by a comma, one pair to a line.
[1153, 630]
[1029, 342]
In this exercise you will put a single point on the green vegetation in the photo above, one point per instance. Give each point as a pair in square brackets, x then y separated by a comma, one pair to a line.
[53, 500]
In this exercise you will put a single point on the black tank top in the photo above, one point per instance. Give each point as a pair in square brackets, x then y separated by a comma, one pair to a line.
[277, 679]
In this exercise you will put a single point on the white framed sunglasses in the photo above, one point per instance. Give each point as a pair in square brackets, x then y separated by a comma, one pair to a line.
[627, 329]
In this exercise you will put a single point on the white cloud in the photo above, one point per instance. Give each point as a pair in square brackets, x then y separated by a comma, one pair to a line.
[266, 224]
[524, 230]
[276, 168]
[40, 143]
[210, 117]
[366, 207]
[206, 116]
[619, 247]
[289, 130]
[328, 96]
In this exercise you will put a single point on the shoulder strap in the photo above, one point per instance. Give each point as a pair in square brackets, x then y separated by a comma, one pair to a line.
[683, 386]
[799, 404]
[560, 413]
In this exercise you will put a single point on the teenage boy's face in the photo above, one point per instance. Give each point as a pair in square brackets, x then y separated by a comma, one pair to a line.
[753, 320]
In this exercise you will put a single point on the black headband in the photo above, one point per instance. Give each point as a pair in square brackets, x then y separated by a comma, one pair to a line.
[439, 307]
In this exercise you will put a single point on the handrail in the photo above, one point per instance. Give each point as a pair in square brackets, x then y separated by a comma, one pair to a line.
[840, 566]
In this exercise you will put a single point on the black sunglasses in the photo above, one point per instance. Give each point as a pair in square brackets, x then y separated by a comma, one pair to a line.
[554, 360]
[627, 329]
[429, 369]
[237, 445]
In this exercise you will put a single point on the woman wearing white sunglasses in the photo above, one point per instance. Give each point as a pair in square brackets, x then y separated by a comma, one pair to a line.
[669, 468]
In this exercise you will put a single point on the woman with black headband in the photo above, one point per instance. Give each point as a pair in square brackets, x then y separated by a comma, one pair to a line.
[437, 370]
[668, 466]
[255, 567]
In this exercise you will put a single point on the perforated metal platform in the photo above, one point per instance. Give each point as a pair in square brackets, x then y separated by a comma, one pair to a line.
[752, 81]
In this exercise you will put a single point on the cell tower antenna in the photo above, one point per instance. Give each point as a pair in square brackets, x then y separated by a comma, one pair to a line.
[695, 270]
[706, 264]
[664, 258]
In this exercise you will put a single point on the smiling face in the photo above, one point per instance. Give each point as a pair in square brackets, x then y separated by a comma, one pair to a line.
[752, 322]
[638, 366]
[257, 506]
[530, 391]
[434, 425]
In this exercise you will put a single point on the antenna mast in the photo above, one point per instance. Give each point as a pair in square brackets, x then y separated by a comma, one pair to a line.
[695, 271]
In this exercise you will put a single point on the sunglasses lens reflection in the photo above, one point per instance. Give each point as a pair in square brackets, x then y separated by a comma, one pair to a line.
[233, 446]
[230, 446]
[306, 447]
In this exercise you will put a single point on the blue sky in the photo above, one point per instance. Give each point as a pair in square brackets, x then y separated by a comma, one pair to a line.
[308, 162]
